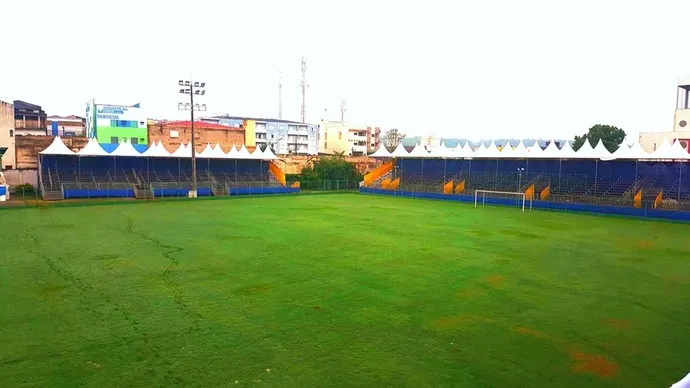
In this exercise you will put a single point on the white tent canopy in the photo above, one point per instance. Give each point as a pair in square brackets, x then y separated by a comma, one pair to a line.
[243, 153]
[670, 152]
[232, 154]
[601, 152]
[567, 151]
[182, 152]
[269, 155]
[257, 154]
[382, 152]
[92, 148]
[57, 147]
[490, 152]
[400, 151]
[125, 149]
[420, 152]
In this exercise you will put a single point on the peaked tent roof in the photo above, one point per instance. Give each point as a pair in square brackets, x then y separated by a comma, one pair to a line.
[182, 152]
[218, 153]
[269, 155]
[232, 154]
[551, 151]
[206, 152]
[567, 151]
[536, 151]
[400, 151]
[243, 153]
[156, 151]
[600, 151]
[487, 152]
[634, 151]
[57, 147]
[463, 152]
[382, 152]
[257, 154]
[420, 152]
[125, 149]
[92, 148]
[670, 152]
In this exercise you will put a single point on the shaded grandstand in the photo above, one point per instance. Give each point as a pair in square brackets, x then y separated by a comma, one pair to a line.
[155, 173]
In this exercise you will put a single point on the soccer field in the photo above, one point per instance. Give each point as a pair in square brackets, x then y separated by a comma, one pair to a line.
[339, 290]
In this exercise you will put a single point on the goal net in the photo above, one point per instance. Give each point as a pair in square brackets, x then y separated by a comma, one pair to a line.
[480, 197]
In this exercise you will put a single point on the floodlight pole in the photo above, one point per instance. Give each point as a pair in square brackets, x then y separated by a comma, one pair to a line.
[192, 88]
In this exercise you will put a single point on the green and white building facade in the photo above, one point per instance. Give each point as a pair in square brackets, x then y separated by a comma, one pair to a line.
[113, 124]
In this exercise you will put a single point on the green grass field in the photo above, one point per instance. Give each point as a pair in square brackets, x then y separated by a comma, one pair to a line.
[339, 290]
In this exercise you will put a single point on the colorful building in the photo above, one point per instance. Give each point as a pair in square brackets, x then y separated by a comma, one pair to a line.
[113, 124]
[283, 136]
[348, 138]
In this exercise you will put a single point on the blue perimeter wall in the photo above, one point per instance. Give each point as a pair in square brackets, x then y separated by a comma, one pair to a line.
[573, 207]
[201, 192]
[3, 190]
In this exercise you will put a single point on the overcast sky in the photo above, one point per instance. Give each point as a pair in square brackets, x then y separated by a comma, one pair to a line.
[471, 69]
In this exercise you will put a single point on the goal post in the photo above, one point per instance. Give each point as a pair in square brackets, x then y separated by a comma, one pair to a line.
[480, 195]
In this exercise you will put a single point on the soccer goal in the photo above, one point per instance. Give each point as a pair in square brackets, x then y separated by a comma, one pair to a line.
[480, 196]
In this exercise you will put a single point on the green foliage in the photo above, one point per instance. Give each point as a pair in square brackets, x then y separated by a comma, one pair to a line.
[332, 168]
[611, 136]
[24, 189]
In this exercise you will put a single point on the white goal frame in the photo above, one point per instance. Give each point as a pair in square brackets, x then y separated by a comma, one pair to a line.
[516, 193]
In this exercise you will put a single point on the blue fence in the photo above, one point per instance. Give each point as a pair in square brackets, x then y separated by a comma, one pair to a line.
[547, 205]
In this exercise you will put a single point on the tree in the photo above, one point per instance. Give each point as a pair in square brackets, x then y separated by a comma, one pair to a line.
[332, 168]
[392, 138]
[611, 136]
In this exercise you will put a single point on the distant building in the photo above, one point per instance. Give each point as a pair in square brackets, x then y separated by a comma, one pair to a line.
[348, 138]
[113, 124]
[173, 133]
[283, 136]
[29, 119]
[66, 126]
[650, 141]
[7, 158]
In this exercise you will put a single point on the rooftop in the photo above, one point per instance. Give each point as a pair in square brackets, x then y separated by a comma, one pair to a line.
[228, 117]
[197, 124]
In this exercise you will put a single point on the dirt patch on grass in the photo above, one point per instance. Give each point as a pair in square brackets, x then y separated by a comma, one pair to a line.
[494, 280]
[534, 333]
[253, 289]
[644, 244]
[461, 320]
[617, 323]
[594, 364]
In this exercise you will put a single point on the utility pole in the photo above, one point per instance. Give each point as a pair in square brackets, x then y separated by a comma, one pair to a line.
[280, 95]
[303, 84]
[193, 89]
[343, 108]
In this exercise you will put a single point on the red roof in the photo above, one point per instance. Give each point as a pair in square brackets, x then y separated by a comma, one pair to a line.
[199, 124]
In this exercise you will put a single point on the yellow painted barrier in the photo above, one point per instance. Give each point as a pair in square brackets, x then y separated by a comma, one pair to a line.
[546, 193]
[277, 172]
[658, 199]
[295, 184]
[377, 173]
[460, 187]
[529, 193]
[637, 201]
[448, 187]
[395, 184]
[386, 184]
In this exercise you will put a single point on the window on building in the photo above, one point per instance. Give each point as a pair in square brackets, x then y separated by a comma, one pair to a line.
[114, 140]
[340, 135]
[325, 145]
[123, 123]
[325, 136]
[134, 140]
[11, 132]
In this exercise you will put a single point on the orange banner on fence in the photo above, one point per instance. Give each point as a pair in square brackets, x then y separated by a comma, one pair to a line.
[277, 172]
[546, 193]
[377, 173]
[529, 193]
[658, 199]
[448, 187]
[395, 184]
[460, 187]
[637, 201]
[295, 185]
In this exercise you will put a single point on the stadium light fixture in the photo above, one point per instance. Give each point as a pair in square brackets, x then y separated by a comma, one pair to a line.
[192, 89]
